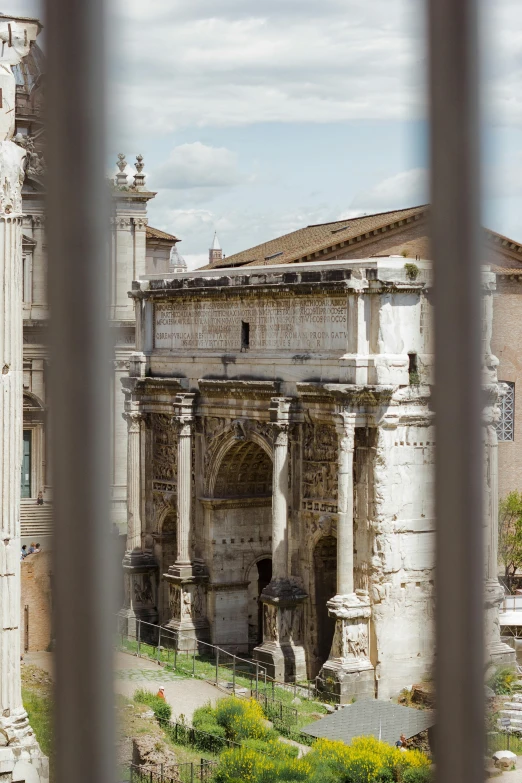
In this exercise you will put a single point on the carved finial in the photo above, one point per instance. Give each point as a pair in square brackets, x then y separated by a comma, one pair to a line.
[121, 177]
[139, 178]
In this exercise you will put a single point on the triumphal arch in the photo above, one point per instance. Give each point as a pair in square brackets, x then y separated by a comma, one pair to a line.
[280, 467]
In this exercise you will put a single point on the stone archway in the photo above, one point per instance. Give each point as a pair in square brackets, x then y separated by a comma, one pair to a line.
[240, 528]
[245, 471]
[325, 578]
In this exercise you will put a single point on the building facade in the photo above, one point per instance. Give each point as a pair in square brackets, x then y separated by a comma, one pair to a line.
[136, 249]
[280, 468]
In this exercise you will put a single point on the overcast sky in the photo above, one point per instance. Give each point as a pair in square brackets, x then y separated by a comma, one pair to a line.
[256, 118]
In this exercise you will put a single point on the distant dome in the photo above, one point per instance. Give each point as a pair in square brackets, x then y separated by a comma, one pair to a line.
[31, 67]
[176, 259]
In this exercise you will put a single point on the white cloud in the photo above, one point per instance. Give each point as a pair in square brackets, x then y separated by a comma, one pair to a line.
[196, 165]
[183, 63]
[405, 189]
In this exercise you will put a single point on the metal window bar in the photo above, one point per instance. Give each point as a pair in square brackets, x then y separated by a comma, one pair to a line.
[506, 423]
[80, 365]
[455, 198]
[77, 210]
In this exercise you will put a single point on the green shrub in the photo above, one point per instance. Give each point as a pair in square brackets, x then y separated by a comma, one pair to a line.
[273, 748]
[503, 681]
[241, 719]
[162, 710]
[412, 271]
[417, 775]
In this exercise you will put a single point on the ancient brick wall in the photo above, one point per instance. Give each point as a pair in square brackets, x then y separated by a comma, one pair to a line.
[36, 596]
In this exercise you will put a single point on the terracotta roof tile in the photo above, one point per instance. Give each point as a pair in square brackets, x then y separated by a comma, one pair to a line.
[155, 233]
[313, 239]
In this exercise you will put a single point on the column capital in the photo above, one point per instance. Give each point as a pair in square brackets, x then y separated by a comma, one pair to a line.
[345, 427]
[184, 413]
[133, 419]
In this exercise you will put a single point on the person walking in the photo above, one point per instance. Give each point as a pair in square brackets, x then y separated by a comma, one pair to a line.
[24, 552]
[161, 693]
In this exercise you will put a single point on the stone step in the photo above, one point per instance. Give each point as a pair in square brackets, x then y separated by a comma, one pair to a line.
[511, 714]
[513, 705]
[517, 697]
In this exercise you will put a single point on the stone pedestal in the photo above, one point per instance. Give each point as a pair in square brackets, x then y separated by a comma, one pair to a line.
[348, 672]
[140, 574]
[282, 652]
[187, 603]
[498, 652]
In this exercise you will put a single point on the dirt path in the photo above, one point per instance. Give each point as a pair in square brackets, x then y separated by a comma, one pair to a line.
[130, 673]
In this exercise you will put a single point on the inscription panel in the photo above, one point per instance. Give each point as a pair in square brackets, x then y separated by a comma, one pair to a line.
[307, 324]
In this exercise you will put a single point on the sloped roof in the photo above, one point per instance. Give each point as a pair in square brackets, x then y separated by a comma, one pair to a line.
[371, 717]
[155, 233]
[307, 241]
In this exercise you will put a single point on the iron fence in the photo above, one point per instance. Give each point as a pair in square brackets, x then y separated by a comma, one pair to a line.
[208, 661]
[182, 734]
[177, 773]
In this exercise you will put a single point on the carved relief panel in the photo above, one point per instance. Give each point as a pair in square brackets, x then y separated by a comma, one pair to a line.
[165, 445]
[319, 475]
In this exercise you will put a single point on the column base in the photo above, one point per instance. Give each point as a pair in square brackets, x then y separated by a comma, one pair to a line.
[498, 653]
[140, 614]
[348, 682]
[21, 758]
[348, 673]
[187, 603]
[283, 662]
[27, 764]
[282, 651]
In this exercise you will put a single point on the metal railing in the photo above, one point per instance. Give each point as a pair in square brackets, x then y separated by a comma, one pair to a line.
[210, 662]
[182, 734]
[177, 773]
[512, 603]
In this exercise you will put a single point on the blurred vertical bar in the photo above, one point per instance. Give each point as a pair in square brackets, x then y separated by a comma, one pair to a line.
[79, 388]
[455, 194]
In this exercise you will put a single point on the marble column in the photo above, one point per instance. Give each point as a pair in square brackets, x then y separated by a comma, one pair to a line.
[282, 651]
[184, 500]
[497, 652]
[20, 754]
[187, 577]
[140, 568]
[348, 671]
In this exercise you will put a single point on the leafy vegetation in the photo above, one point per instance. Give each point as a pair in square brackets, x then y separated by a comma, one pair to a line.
[504, 681]
[510, 536]
[37, 701]
[366, 760]
[162, 710]
[412, 271]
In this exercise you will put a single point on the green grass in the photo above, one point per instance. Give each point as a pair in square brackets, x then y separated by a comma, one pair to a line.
[39, 709]
[203, 667]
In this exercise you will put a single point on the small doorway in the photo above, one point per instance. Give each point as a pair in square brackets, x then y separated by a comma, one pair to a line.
[325, 571]
[26, 465]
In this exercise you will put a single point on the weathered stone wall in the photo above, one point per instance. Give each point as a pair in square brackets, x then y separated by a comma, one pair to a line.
[507, 337]
[36, 633]
[401, 583]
